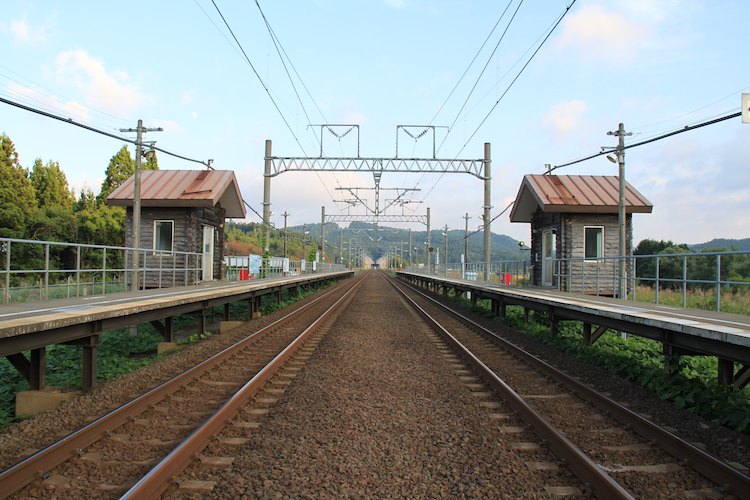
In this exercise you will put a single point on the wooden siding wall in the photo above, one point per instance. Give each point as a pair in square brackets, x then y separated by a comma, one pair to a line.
[585, 277]
[187, 237]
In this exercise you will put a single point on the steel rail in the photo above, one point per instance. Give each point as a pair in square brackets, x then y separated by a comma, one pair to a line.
[593, 476]
[157, 480]
[711, 467]
[37, 465]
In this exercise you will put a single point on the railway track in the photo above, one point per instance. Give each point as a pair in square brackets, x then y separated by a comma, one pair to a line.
[615, 452]
[174, 420]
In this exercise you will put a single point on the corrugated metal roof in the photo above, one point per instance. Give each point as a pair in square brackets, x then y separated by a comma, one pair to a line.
[184, 188]
[574, 194]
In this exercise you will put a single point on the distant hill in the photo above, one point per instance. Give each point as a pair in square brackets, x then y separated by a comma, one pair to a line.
[724, 244]
[377, 239]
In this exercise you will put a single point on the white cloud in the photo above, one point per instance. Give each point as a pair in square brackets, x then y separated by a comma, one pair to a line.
[108, 91]
[187, 96]
[24, 33]
[69, 109]
[169, 126]
[564, 118]
[598, 33]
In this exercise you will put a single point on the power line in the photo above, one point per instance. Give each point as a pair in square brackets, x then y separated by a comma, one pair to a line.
[279, 49]
[686, 128]
[257, 75]
[101, 132]
[472, 62]
[481, 73]
[562, 16]
[531, 58]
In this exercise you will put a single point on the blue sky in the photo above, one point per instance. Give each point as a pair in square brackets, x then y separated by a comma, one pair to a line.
[656, 66]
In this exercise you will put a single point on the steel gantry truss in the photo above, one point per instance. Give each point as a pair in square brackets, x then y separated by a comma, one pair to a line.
[480, 168]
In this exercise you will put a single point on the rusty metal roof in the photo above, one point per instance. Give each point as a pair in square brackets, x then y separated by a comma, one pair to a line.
[575, 194]
[184, 188]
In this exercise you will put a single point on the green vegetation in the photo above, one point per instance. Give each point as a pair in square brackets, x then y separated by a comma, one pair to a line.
[640, 361]
[38, 204]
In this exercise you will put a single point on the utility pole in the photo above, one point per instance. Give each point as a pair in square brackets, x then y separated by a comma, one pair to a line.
[267, 196]
[341, 245]
[137, 196]
[487, 207]
[620, 134]
[428, 250]
[322, 233]
[285, 214]
[466, 238]
[445, 257]
[411, 262]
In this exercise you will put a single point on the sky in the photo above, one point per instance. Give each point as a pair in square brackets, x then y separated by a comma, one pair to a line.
[656, 66]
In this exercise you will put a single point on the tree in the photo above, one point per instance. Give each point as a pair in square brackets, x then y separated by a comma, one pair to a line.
[50, 185]
[121, 167]
[17, 199]
[99, 223]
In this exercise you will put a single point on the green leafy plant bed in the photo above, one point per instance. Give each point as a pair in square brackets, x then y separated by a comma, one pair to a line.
[694, 388]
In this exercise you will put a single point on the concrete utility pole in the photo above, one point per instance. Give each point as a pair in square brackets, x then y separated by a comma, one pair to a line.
[445, 257]
[411, 261]
[322, 233]
[341, 244]
[487, 207]
[466, 238]
[267, 196]
[620, 151]
[428, 250]
[137, 195]
[285, 214]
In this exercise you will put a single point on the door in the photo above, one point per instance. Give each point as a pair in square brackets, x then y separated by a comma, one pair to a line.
[549, 254]
[208, 253]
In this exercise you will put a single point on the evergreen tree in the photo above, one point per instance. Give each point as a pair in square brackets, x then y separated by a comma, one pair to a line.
[50, 185]
[17, 199]
[99, 223]
[121, 167]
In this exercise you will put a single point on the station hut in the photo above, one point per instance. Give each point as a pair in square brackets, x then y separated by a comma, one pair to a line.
[575, 230]
[181, 211]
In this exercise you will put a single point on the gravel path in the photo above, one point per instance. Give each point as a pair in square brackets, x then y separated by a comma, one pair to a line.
[377, 412]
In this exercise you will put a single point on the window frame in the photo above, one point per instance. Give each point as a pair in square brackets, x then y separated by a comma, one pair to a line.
[157, 224]
[600, 246]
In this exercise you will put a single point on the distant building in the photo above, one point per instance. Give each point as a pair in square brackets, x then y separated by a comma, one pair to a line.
[182, 211]
[575, 217]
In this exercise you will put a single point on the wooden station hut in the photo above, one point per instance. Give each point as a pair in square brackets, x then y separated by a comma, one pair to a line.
[576, 217]
[181, 211]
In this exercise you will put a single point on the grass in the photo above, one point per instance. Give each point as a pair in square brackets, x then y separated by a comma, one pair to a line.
[735, 299]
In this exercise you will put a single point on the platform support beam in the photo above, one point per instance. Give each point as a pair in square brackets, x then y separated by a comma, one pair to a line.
[672, 360]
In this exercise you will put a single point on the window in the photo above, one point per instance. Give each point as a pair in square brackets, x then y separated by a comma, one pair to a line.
[593, 242]
[163, 235]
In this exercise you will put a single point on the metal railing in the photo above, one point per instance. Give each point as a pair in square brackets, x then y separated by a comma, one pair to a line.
[44, 270]
[504, 272]
[240, 268]
[701, 280]
[681, 278]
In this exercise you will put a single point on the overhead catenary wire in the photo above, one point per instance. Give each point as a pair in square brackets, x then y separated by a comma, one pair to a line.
[518, 75]
[280, 50]
[471, 63]
[481, 73]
